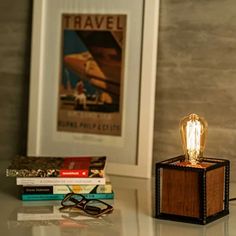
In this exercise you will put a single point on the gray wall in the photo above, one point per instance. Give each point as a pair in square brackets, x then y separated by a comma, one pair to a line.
[15, 18]
[195, 73]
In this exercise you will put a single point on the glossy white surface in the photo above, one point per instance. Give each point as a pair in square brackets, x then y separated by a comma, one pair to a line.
[132, 215]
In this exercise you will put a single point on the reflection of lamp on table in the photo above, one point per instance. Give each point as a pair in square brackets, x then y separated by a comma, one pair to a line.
[192, 188]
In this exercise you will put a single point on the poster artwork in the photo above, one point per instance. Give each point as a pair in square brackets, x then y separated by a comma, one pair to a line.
[91, 80]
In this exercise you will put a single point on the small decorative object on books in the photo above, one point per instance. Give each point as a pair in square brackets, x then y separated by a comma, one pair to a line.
[192, 188]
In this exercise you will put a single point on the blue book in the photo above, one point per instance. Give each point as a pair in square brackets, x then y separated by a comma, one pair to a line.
[42, 197]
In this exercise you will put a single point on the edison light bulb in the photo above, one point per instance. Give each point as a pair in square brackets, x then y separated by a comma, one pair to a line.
[193, 134]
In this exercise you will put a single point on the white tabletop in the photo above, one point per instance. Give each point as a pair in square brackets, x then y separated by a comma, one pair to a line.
[133, 215]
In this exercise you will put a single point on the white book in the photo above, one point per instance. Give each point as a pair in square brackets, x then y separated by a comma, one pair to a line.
[58, 181]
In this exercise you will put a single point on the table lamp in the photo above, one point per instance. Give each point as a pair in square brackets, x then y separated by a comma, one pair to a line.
[192, 188]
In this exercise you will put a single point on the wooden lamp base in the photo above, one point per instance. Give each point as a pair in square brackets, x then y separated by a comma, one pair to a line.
[195, 194]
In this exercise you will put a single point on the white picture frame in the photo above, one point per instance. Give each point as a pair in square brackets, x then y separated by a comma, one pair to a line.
[135, 153]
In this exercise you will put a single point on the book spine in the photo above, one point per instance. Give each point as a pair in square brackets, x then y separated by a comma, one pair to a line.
[41, 197]
[37, 190]
[58, 181]
[64, 189]
[57, 173]
[69, 167]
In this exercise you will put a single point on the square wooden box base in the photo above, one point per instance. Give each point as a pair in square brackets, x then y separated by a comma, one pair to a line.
[194, 194]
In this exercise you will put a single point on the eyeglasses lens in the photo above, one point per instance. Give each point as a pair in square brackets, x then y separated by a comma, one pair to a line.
[72, 200]
[95, 207]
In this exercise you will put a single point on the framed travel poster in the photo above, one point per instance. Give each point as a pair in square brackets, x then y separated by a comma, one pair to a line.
[92, 87]
[91, 82]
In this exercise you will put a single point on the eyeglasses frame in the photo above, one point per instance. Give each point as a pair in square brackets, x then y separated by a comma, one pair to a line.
[83, 203]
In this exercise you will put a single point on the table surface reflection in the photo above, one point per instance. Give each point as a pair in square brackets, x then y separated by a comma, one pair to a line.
[133, 215]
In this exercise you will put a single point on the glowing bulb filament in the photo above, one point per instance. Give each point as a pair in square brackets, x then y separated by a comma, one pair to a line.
[193, 136]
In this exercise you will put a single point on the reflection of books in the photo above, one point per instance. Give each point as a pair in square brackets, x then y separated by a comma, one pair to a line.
[64, 189]
[42, 197]
[85, 167]
[31, 214]
[58, 181]
[54, 214]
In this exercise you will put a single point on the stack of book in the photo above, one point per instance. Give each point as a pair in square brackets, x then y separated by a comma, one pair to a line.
[51, 178]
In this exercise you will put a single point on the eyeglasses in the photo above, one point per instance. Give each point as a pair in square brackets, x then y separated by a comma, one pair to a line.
[92, 207]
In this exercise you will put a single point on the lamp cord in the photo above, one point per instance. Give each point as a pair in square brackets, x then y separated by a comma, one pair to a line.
[232, 199]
